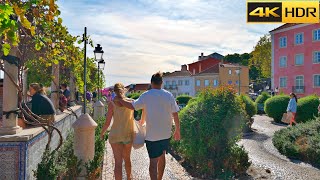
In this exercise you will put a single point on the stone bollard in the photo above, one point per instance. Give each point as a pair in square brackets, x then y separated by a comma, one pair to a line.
[98, 110]
[84, 139]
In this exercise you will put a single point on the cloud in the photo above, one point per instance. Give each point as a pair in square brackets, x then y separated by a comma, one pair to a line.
[140, 37]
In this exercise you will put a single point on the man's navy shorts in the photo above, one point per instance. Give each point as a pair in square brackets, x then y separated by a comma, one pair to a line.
[156, 148]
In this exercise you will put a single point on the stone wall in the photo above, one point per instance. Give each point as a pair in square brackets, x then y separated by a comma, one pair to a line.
[21, 153]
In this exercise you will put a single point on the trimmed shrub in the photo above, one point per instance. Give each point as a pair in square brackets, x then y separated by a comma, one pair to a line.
[184, 99]
[260, 101]
[137, 114]
[276, 106]
[210, 127]
[300, 142]
[307, 108]
[250, 106]
[262, 98]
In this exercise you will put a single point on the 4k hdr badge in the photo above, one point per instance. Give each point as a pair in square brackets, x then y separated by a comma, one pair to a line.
[285, 11]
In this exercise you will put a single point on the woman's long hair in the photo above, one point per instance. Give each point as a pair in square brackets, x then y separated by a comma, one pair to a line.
[119, 89]
[294, 95]
[38, 88]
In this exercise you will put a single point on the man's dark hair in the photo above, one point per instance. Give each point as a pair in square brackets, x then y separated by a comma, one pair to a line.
[156, 78]
[64, 85]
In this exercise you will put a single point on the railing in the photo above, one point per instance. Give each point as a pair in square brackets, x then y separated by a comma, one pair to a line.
[298, 89]
[171, 87]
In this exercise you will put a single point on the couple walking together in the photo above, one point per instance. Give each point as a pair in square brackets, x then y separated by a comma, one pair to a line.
[159, 107]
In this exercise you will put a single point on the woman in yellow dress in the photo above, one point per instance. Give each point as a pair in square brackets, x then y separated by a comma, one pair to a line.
[121, 133]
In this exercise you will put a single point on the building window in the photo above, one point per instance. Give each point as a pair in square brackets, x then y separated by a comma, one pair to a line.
[230, 82]
[298, 60]
[299, 38]
[215, 82]
[179, 94]
[206, 82]
[299, 82]
[198, 83]
[283, 61]
[187, 93]
[316, 57]
[180, 83]
[230, 71]
[283, 42]
[316, 35]
[167, 83]
[186, 82]
[237, 82]
[316, 80]
[283, 82]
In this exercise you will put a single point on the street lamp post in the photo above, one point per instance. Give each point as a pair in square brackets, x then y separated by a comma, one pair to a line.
[98, 53]
[238, 71]
[85, 40]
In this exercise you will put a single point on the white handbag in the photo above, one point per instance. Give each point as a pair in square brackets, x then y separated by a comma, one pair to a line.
[139, 135]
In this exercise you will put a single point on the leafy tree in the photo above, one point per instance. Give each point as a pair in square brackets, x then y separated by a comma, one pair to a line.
[232, 58]
[261, 57]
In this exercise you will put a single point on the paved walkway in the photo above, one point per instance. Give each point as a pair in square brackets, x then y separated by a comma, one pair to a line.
[140, 166]
[263, 154]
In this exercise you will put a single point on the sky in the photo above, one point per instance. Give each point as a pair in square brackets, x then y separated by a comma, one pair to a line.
[141, 37]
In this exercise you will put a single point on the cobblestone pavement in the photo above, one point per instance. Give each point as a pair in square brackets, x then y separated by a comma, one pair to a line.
[263, 154]
[140, 166]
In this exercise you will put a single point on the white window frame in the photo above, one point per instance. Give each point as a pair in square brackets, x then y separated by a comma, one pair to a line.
[286, 58]
[187, 82]
[230, 71]
[295, 38]
[314, 78]
[314, 57]
[286, 78]
[280, 42]
[313, 36]
[198, 80]
[295, 59]
[215, 83]
[180, 82]
[295, 83]
[206, 83]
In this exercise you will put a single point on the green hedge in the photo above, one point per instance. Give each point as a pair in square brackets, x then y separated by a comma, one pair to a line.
[262, 98]
[300, 142]
[250, 106]
[184, 99]
[210, 128]
[137, 114]
[276, 106]
[307, 108]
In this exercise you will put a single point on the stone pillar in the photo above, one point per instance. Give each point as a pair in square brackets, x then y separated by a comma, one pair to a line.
[98, 110]
[10, 101]
[84, 138]
[72, 87]
[55, 87]
[25, 85]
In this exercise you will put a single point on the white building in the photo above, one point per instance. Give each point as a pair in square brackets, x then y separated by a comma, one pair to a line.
[179, 82]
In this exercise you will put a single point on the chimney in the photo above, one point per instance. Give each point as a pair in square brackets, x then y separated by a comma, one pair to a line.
[184, 68]
[201, 57]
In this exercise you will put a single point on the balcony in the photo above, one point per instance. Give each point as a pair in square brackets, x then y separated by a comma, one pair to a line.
[171, 87]
[298, 89]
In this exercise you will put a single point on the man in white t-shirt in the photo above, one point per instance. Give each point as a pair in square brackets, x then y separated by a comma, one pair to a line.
[160, 106]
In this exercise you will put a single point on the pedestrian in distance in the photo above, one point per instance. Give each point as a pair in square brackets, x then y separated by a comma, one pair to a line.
[160, 106]
[292, 108]
[66, 92]
[41, 105]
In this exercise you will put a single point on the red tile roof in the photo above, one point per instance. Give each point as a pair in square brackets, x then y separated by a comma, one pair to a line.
[285, 26]
[139, 87]
[178, 73]
[212, 70]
